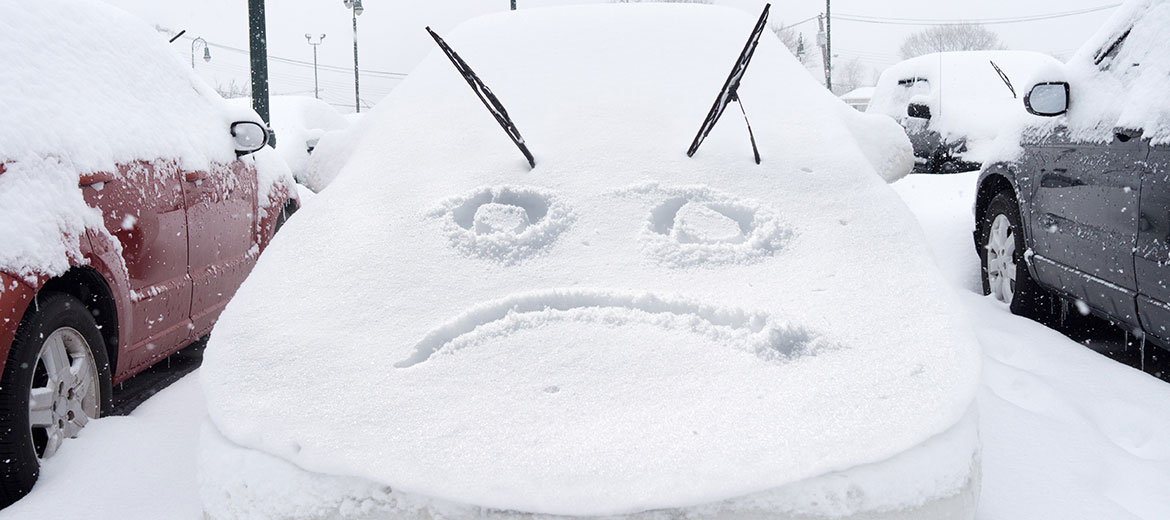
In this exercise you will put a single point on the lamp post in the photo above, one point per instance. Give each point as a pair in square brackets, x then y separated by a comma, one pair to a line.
[206, 50]
[309, 38]
[356, 7]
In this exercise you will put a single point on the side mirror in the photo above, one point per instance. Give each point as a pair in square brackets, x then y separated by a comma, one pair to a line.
[1048, 99]
[918, 110]
[249, 136]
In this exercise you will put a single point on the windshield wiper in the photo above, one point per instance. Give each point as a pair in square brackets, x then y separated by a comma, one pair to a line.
[730, 91]
[1006, 80]
[486, 96]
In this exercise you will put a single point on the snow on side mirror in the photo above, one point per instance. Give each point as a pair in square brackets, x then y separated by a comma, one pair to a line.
[918, 110]
[249, 136]
[1048, 99]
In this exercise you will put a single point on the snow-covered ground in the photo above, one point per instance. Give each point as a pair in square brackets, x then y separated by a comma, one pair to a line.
[1067, 432]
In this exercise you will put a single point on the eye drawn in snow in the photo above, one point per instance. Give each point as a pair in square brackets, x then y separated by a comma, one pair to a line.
[598, 319]
[505, 224]
[697, 226]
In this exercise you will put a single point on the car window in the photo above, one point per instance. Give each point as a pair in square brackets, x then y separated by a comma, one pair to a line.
[1105, 56]
[915, 86]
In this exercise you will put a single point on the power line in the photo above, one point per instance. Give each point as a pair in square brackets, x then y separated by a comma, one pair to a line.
[791, 25]
[981, 21]
[334, 68]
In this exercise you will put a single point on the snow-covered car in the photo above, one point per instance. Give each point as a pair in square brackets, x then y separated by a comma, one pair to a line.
[133, 202]
[620, 329]
[1077, 210]
[953, 104]
[299, 123]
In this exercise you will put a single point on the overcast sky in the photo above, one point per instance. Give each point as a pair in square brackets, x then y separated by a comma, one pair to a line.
[392, 40]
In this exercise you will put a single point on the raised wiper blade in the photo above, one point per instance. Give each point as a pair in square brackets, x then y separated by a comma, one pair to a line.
[486, 96]
[1006, 80]
[730, 91]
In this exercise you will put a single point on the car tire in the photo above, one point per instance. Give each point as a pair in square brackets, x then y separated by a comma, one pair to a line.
[1003, 265]
[60, 355]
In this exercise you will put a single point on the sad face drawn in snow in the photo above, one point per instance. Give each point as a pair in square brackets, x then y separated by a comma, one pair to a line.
[692, 226]
[601, 312]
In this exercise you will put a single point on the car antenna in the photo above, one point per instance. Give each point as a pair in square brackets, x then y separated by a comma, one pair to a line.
[730, 91]
[486, 96]
[1006, 80]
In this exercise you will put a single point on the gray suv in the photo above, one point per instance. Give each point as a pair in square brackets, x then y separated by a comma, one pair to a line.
[1082, 215]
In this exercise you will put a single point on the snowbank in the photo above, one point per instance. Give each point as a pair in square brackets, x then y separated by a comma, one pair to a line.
[967, 99]
[87, 86]
[620, 329]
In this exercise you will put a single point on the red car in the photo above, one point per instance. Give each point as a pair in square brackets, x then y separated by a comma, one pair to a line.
[119, 126]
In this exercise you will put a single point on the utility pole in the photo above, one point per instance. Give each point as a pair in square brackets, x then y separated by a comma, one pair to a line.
[316, 87]
[356, 7]
[822, 42]
[258, 46]
[828, 46]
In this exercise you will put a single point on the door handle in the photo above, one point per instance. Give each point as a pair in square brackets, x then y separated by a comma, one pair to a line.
[1144, 224]
[193, 176]
[89, 179]
[1125, 135]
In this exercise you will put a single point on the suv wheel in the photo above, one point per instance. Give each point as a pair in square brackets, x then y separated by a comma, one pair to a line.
[56, 379]
[1001, 254]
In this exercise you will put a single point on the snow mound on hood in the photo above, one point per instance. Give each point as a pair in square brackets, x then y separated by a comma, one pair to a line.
[698, 329]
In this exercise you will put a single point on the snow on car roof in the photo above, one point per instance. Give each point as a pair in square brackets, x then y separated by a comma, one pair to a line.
[621, 327]
[966, 96]
[87, 86]
[1120, 77]
[93, 85]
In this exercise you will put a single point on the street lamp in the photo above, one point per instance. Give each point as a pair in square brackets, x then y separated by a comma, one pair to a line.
[309, 38]
[206, 50]
[356, 7]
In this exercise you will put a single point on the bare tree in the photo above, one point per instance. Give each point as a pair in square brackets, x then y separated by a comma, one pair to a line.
[957, 37]
[849, 76]
[233, 90]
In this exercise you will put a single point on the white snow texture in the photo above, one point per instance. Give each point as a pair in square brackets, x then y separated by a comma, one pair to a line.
[620, 329]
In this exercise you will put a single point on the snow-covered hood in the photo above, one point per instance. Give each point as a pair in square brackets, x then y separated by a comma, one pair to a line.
[621, 328]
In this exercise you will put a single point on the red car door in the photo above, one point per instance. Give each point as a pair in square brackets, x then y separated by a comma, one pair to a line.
[142, 206]
[221, 226]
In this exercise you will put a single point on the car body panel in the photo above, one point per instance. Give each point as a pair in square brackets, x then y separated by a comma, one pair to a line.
[221, 215]
[142, 207]
[15, 297]
[1152, 255]
[1083, 201]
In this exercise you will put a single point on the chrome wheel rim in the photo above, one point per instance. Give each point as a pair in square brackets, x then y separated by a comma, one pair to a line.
[1001, 262]
[63, 393]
